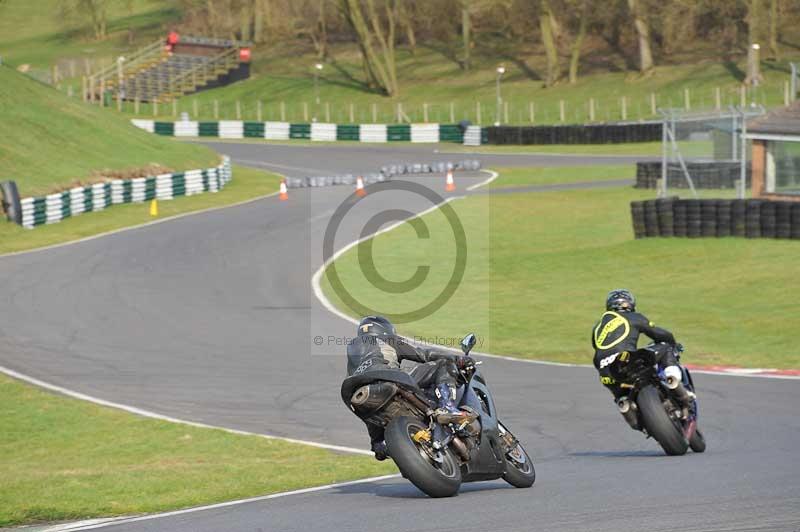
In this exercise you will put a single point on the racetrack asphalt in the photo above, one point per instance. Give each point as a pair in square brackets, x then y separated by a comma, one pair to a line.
[210, 318]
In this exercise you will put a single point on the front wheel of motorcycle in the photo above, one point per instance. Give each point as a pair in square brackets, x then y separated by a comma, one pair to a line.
[697, 442]
[658, 422]
[520, 472]
[436, 473]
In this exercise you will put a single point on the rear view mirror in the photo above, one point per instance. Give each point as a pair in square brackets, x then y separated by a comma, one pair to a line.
[468, 343]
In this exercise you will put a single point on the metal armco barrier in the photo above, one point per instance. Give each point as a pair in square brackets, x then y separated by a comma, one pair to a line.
[716, 218]
[55, 207]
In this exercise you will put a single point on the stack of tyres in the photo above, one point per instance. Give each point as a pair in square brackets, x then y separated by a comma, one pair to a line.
[254, 129]
[637, 215]
[724, 217]
[708, 217]
[208, 129]
[650, 218]
[679, 211]
[693, 219]
[665, 216]
[752, 222]
[738, 217]
[783, 219]
[796, 220]
[768, 219]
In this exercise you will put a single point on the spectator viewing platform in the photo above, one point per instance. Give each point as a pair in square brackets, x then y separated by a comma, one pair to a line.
[170, 68]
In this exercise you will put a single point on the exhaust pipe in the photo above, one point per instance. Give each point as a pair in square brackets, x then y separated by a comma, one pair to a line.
[629, 411]
[360, 397]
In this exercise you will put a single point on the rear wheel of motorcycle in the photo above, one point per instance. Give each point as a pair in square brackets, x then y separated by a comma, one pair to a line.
[658, 423]
[697, 442]
[434, 479]
[520, 472]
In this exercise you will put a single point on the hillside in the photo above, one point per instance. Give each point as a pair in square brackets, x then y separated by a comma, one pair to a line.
[41, 33]
[49, 140]
[430, 76]
[284, 74]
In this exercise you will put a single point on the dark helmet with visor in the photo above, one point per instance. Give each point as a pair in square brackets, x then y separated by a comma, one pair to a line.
[621, 300]
[376, 326]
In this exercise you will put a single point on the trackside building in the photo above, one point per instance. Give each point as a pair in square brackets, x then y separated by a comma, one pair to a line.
[776, 153]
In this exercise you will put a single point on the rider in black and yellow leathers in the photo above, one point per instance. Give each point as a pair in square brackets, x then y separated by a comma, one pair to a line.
[616, 336]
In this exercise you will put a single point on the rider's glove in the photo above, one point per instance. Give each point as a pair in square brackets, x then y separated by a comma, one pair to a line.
[465, 363]
[679, 348]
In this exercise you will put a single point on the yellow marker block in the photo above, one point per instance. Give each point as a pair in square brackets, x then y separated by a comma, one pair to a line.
[154, 207]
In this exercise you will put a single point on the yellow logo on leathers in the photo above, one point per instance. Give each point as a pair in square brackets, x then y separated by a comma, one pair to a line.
[613, 325]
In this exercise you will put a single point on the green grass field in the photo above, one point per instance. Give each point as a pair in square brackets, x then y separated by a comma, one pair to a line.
[64, 459]
[284, 76]
[51, 141]
[539, 266]
[247, 183]
[551, 175]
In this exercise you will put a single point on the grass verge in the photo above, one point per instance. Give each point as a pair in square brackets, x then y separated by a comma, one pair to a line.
[515, 177]
[247, 183]
[67, 459]
[55, 142]
[539, 266]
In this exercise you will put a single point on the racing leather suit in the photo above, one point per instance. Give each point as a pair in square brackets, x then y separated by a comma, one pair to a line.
[617, 334]
[369, 352]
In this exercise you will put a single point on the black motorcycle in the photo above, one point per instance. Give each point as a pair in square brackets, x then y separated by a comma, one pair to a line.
[653, 407]
[437, 458]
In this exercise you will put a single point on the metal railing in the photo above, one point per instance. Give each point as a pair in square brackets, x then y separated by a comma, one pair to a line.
[142, 58]
[190, 79]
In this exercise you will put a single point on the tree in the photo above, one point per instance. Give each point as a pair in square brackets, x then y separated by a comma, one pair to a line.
[773, 29]
[96, 10]
[637, 11]
[465, 34]
[549, 28]
[407, 22]
[575, 55]
[379, 68]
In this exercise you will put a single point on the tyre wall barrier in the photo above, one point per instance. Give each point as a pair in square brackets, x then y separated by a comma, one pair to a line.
[10, 202]
[373, 133]
[276, 130]
[323, 132]
[709, 174]
[386, 173]
[716, 218]
[55, 207]
[317, 131]
[424, 132]
[575, 134]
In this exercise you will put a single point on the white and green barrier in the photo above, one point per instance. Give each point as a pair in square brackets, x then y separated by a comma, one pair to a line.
[316, 131]
[55, 207]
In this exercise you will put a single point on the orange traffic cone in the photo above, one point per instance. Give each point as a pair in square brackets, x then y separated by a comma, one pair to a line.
[284, 194]
[360, 190]
[451, 184]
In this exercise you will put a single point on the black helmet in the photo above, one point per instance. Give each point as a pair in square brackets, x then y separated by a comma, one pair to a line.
[376, 326]
[621, 300]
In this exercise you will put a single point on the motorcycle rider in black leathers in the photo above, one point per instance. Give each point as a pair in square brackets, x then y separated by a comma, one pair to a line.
[616, 336]
[377, 346]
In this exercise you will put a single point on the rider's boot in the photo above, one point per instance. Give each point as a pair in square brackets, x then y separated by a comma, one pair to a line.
[379, 448]
[675, 383]
[628, 409]
[448, 412]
